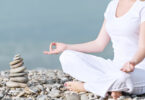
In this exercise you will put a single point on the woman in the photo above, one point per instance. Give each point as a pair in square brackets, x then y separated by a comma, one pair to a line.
[124, 25]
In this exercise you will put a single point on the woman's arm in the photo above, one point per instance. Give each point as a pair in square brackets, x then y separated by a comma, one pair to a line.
[96, 45]
[140, 54]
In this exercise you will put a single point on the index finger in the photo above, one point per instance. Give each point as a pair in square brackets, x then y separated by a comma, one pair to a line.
[51, 44]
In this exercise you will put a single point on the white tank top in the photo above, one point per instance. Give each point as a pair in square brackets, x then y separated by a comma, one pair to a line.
[124, 30]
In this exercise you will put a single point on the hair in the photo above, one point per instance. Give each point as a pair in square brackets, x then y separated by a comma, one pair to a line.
[142, 0]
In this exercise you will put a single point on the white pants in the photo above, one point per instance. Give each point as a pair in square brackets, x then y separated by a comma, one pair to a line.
[101, 75]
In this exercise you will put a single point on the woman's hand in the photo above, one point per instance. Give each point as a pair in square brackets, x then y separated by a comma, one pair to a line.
[128, 67]
[60, 47]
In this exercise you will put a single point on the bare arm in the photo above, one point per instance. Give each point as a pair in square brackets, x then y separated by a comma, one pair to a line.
[96, 45]
[140, 54]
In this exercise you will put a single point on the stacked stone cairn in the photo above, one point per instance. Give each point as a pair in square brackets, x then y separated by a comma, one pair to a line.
[18, 76]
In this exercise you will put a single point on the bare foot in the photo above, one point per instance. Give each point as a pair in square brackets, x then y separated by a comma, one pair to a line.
[116, 94]
[75, 86]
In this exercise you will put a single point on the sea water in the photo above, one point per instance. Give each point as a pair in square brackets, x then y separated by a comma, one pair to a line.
[28, 27]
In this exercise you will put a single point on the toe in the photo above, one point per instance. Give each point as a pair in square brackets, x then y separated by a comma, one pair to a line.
[115, 95]
[68, 85]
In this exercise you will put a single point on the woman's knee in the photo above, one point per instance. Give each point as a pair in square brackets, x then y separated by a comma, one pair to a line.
[66, 55]
[123, 76]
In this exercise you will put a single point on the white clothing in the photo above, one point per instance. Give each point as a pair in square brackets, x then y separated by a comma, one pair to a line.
[102, 75]
[124, 30]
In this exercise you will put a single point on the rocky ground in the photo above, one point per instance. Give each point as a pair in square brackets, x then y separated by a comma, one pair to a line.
[48, 85]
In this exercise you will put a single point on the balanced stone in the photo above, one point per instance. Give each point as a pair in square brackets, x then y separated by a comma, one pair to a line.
[15, 84]
[16, 58]
[16, 61]
[19, 79]
[17, 65]
[17, 74]
[18, 70]
[17, 55]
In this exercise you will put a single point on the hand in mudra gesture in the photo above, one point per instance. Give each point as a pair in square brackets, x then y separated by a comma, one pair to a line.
[59, 47]
[128, 67]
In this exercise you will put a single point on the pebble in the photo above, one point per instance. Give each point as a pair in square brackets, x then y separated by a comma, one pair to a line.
[72, 96]
[19, 79]
[84, 97]
[16, 62]
[17, 74]
[92, 96]
[1, 94]
[54, 93]
[42, 97]
[34, 89]
[18, 70]
[15, 84]
[121, 98]
[54, 90]
[51, 81]
[16, 58]
[17, 65]
[63, 80]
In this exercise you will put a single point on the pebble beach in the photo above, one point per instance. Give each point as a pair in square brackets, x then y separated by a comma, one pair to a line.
[49, 85]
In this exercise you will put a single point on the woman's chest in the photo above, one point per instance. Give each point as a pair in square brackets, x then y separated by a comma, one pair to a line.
[124, 26]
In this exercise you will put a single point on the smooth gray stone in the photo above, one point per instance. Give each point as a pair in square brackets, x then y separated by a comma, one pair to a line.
[42, 97]
[121, 98]
[16, 61]
[72, 96]
[18, 70]
[34, 89]
[1, 94]
[19, 79]
[15, 84]
[16, 58]
[17, 65]
[84, 97]
[17, 74]
[17, 55]
[54, 93]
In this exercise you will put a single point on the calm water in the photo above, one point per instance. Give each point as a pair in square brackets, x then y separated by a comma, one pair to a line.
[28, 26]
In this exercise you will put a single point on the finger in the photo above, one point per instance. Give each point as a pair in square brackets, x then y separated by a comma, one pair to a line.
[123, 69]
[132, 66]
[128, 68]
[46, 52]
[132, 69]
[51, 44]
[53, 52]
[49, 52]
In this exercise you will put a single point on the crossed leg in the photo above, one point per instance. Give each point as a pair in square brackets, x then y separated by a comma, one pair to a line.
[80, 65]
